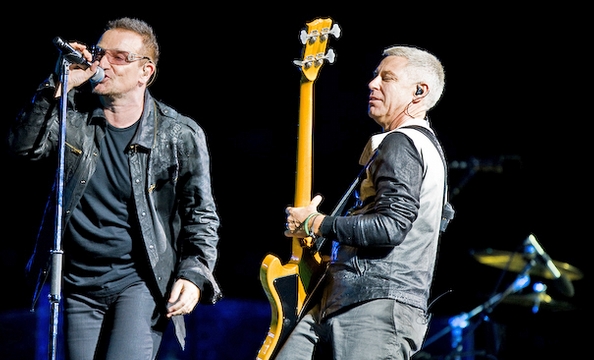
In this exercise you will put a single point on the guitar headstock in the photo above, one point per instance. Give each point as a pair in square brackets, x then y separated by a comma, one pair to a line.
[316, 49]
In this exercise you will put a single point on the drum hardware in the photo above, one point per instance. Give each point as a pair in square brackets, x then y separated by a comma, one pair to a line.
[525, 264]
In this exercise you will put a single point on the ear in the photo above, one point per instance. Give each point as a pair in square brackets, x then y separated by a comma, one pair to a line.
[147, 71]
[420, 92]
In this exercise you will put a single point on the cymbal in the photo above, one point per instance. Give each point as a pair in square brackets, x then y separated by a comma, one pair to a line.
[543, 300]
[516, 262]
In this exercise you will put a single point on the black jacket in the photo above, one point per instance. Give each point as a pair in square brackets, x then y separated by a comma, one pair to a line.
[388, 247]
[170, 168]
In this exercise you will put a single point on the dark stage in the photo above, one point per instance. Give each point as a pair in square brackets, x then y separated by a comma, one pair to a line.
[514, 82]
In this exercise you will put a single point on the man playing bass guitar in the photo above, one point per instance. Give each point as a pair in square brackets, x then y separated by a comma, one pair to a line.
[373, 303]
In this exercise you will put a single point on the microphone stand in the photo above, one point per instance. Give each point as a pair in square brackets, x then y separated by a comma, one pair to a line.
[57, 252]
[459, 322]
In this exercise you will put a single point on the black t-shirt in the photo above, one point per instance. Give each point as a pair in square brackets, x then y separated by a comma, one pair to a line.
[101, 236]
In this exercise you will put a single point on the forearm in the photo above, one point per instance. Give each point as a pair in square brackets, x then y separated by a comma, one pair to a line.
[34, 132]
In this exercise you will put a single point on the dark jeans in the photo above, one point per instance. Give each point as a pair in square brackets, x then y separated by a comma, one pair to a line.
[112, 328]
[377, 329]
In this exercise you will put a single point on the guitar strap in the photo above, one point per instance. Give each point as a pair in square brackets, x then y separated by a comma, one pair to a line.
[339, 208]
[448, 211]
[319, 241]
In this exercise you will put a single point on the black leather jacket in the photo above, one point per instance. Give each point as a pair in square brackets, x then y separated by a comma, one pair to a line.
[388, 247]
[170, 169]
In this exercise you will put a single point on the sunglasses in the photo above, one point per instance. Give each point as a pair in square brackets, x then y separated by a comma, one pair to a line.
[116, 57]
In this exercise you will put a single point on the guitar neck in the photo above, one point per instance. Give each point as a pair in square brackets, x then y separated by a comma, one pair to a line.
[315, 54]
[304, 145]
[289, 286]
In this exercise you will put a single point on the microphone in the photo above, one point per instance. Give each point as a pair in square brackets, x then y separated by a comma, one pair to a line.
[561, 282]
[76, 57]
[483, 165]
[477, 165]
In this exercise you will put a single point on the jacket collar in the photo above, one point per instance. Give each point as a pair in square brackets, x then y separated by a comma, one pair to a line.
[145, 136]
[376, 139]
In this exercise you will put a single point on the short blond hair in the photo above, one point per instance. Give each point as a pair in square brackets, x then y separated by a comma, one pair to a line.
[422, 67]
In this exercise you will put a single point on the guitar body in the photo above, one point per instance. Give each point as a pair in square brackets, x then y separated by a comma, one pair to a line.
[289, 286]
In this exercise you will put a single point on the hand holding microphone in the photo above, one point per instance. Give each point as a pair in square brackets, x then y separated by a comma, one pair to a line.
[76, 57]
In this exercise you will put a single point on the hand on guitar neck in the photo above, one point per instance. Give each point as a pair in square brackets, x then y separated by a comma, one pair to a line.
[304, 222]
[289, 286]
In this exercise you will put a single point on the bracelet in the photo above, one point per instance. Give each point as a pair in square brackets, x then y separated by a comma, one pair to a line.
[311, 229]
[306, 227]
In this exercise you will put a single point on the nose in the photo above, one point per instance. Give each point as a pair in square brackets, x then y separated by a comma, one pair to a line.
[103, 63]
[99, 55]
[373, 84]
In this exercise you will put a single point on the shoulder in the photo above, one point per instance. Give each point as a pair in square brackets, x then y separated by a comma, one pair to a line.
[397, 139]
[169, 114]
[417, 138]
[397, 147]
[412, 143]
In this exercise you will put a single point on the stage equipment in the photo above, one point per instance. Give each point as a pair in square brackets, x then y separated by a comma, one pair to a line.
[69, 56]
[516, 262]
[532, 261]
[536, 300]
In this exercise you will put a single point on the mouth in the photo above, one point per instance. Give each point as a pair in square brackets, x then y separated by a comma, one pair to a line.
[372, 98]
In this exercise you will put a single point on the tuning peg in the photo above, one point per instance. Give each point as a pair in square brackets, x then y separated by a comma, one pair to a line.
[323, 34]
[311, 37]
[330, 56]
[303, 36]
[318, 60]
[335, 31]
[307, 62]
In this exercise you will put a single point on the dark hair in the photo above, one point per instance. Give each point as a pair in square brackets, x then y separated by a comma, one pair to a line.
[149, 39]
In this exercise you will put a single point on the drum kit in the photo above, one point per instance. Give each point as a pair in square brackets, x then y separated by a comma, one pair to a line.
[520, 263]
[516, 262]
[532, 261]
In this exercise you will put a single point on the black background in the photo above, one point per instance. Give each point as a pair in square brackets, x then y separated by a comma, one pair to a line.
[515, 97]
